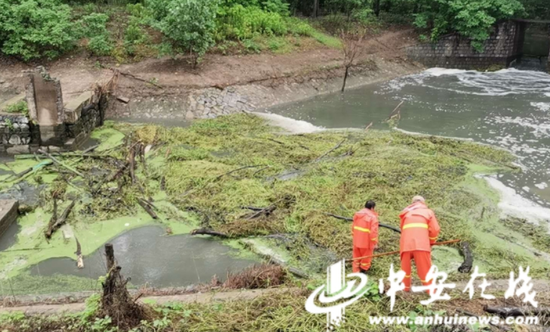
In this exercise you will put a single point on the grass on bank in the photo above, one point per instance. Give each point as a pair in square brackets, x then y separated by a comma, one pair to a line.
[272, 313]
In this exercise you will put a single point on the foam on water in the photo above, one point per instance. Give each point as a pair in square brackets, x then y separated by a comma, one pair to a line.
[545, 107]
[500, 83]
[290, 125]
[514, 205]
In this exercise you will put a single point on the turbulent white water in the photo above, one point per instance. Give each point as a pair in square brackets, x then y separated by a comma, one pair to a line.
[500, 83]
[289, 124]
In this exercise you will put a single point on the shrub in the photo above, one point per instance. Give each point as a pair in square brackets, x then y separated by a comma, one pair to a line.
[190, 25]
[299, 27]
[245, 22]
[139, 12]
[473, 19]
[18, 107]
[100, 45]
[94, 27]
[134, 36]
[276, 6]
[35, 28]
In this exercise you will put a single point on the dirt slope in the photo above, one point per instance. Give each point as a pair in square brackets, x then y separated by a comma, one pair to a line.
[78, 73]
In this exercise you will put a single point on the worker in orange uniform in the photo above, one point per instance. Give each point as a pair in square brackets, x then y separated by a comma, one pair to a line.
[365, 236]
[419, 230]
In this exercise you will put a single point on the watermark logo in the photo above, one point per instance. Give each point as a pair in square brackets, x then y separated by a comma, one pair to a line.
[338, 292]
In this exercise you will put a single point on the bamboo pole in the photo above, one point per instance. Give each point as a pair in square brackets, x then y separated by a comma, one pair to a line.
[396, 252]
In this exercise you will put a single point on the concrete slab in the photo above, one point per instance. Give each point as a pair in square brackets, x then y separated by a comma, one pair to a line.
[8, 213]
[73, 108]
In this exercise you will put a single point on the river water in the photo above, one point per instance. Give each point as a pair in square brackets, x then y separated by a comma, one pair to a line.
[152, 258]
[508, 108]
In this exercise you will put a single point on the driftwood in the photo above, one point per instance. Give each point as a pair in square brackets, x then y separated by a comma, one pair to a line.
[466, 266]
[236, 170]
[32, 170]
[78, 253]
[147, 207]
[90, 149]
[61, 163]
[68, 155]
[58, 222]
[395, 229]
[116, 301]
[116, 71]
[261, 211]
[206, 231]
[336, 147]
[516, 311]
[295, 271]
[393, 113]
[133, 164]
[115, 175]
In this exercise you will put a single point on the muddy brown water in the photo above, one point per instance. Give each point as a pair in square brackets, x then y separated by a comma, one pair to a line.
[148, 256]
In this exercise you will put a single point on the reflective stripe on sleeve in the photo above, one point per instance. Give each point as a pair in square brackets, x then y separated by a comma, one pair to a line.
[415, 225]
[361, 229]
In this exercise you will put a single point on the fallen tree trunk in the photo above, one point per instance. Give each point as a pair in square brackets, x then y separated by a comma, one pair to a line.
[206, 231]
[147, 208]
[395, 229]
[54, 225]
[517, 311]
[466, 266]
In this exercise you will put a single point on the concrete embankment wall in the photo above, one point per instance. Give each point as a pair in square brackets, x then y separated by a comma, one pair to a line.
[258, 96]
[454, 51]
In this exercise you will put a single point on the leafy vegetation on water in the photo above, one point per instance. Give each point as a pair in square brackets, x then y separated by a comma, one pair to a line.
[213, 172]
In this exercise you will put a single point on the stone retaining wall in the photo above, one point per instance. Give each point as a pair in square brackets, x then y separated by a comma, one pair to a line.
[17, 133]
[211, 102]
[454, 51]
[50, 124]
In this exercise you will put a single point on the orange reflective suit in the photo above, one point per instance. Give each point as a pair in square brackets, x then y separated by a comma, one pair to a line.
[365, 238]
[419, 230]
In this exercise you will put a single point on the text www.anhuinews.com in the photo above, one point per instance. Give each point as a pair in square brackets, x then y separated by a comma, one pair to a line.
[452, 320]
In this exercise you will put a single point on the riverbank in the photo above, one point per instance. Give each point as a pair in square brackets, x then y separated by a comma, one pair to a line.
[170, 89]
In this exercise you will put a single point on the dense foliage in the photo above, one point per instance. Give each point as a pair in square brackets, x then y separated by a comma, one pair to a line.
[35, 28]
[471, 18]
[133, 29]
[190, 24]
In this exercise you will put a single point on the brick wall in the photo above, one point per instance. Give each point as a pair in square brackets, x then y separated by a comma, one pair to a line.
[454, 51]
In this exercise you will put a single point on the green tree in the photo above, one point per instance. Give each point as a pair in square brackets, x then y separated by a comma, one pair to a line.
[35, 28]
[473, 19]
[537, 9]
[190, 25]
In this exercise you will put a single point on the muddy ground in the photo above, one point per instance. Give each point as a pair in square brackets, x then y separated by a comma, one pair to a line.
[382, 56]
